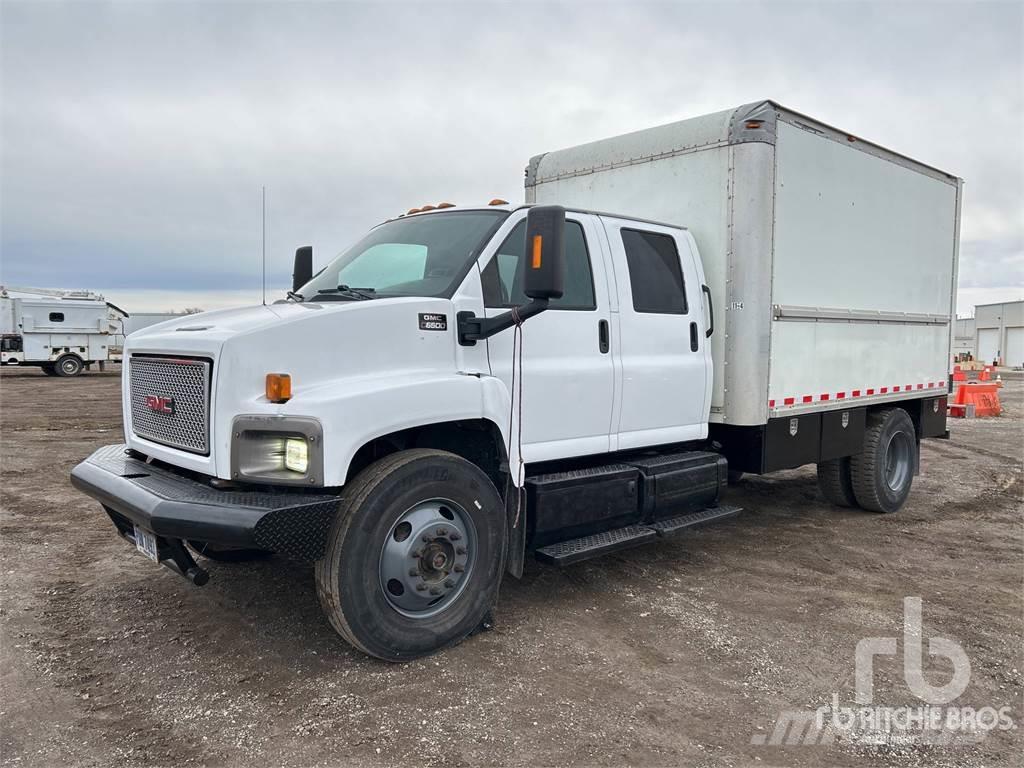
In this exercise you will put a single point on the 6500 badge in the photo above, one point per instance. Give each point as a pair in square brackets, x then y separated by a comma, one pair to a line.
[432, 321]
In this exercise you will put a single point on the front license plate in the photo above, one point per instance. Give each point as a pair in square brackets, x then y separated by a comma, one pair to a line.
[145, 542]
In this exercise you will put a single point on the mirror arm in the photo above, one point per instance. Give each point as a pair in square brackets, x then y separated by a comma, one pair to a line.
[473, 329]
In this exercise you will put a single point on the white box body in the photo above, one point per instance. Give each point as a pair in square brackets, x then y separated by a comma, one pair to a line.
[832, 261]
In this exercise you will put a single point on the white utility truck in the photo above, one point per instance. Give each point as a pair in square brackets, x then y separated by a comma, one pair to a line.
[61, 332]
[466, 387]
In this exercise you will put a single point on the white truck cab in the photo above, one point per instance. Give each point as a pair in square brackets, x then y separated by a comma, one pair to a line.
[467, 386]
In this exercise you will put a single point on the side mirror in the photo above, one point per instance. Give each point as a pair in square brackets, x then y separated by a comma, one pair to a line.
[302, 273]
[544, 265]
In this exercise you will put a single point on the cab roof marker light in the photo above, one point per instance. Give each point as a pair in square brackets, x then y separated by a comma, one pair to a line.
[498, 201]
[446, 205]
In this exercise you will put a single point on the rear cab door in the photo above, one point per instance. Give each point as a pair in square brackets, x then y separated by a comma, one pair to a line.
[660, 342]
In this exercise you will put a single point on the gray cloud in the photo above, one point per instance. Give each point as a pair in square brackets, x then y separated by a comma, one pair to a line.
[136, 136]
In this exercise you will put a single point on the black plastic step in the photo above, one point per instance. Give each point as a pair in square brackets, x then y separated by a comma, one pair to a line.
[585, 547]
[672, 525]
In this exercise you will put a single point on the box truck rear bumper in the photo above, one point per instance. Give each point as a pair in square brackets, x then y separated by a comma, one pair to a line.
[174, 508]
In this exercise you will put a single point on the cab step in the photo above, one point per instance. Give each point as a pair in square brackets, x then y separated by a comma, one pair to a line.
[571, 551]
[673, 525]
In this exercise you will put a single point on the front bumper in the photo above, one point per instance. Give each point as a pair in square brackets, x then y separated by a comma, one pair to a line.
[176, 508]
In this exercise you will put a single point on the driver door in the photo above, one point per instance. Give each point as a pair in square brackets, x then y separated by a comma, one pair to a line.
[568, 375]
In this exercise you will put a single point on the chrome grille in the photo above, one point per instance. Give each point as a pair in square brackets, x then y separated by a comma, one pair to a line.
[170, 400]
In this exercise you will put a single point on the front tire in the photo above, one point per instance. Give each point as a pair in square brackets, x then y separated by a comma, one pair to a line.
[415, 555]
[884, 471]
[69, 365]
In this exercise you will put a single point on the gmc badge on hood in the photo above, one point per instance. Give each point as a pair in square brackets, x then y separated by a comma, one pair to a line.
[433, 322]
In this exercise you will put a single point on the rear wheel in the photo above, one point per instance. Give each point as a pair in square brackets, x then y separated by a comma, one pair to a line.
[884, 471]
[225, 554]
[835, 482]
[69, 365]
[415, 555]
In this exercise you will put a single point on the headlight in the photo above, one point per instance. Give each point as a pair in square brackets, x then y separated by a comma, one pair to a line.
[275, 449]
[296, 454]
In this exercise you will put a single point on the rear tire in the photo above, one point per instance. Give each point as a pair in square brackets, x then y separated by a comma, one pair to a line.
[68, 366]
[226, 555]
[415, 555]
[884, 471]
[835, 482]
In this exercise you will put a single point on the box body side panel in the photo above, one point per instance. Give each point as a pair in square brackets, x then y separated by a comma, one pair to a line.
[860, 236]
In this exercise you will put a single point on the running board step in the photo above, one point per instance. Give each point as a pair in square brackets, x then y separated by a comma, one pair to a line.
[706, 516]
[585, 547]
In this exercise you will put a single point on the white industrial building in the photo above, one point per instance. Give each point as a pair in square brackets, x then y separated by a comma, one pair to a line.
[965, 336]
[999, 333]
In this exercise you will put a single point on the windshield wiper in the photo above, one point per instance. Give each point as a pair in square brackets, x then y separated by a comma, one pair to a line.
[360, 294]
[295, 296]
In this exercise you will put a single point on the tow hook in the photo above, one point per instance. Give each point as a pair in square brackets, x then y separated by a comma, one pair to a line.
[173, 554]
[182, 562]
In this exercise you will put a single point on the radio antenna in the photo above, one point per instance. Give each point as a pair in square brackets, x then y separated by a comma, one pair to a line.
[264, 190]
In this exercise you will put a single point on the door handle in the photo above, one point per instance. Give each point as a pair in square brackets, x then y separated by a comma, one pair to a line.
[693, 337]
[602, 336]
[711, 312]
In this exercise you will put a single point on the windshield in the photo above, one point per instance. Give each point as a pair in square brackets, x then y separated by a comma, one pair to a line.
[416, 256]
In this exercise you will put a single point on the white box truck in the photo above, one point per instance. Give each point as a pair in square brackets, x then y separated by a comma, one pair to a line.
[465, 387]
[61, 332]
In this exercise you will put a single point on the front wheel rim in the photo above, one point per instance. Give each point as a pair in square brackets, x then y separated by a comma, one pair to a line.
[69, 366]
[427, 558]
[897, 461]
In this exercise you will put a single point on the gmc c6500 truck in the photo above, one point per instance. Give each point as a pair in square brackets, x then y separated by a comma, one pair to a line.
[464, 388]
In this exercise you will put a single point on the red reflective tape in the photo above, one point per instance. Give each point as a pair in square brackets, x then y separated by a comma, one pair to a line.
[895, 389]
[771, 403]
[840, 395]
[921, 386]
[855, 393]
[871, 391]
[883, 390]
[788, 401]
[824, 397]
[808, 398]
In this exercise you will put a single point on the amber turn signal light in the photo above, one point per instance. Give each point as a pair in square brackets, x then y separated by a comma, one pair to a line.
[538, 247]
[279, 387]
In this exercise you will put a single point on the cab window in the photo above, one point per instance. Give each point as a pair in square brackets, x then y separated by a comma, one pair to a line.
[502, 278]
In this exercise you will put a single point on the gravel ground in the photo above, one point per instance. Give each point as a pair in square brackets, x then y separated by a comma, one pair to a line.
[678, 653]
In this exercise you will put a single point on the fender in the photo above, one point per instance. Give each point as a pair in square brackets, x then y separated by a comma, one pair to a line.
[355, 412]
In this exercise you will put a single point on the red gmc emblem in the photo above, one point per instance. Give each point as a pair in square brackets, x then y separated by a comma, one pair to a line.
[160, 404]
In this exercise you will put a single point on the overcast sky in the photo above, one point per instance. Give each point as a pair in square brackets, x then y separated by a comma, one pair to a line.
[136, 136]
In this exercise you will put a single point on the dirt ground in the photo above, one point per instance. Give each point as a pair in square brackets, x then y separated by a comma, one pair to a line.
[679, 653]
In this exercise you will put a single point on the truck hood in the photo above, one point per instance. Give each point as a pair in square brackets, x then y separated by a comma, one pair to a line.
[327, 349]
[205, 333]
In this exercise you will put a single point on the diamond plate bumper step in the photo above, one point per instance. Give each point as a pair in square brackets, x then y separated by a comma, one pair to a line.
[585, 547]
[176, 507]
